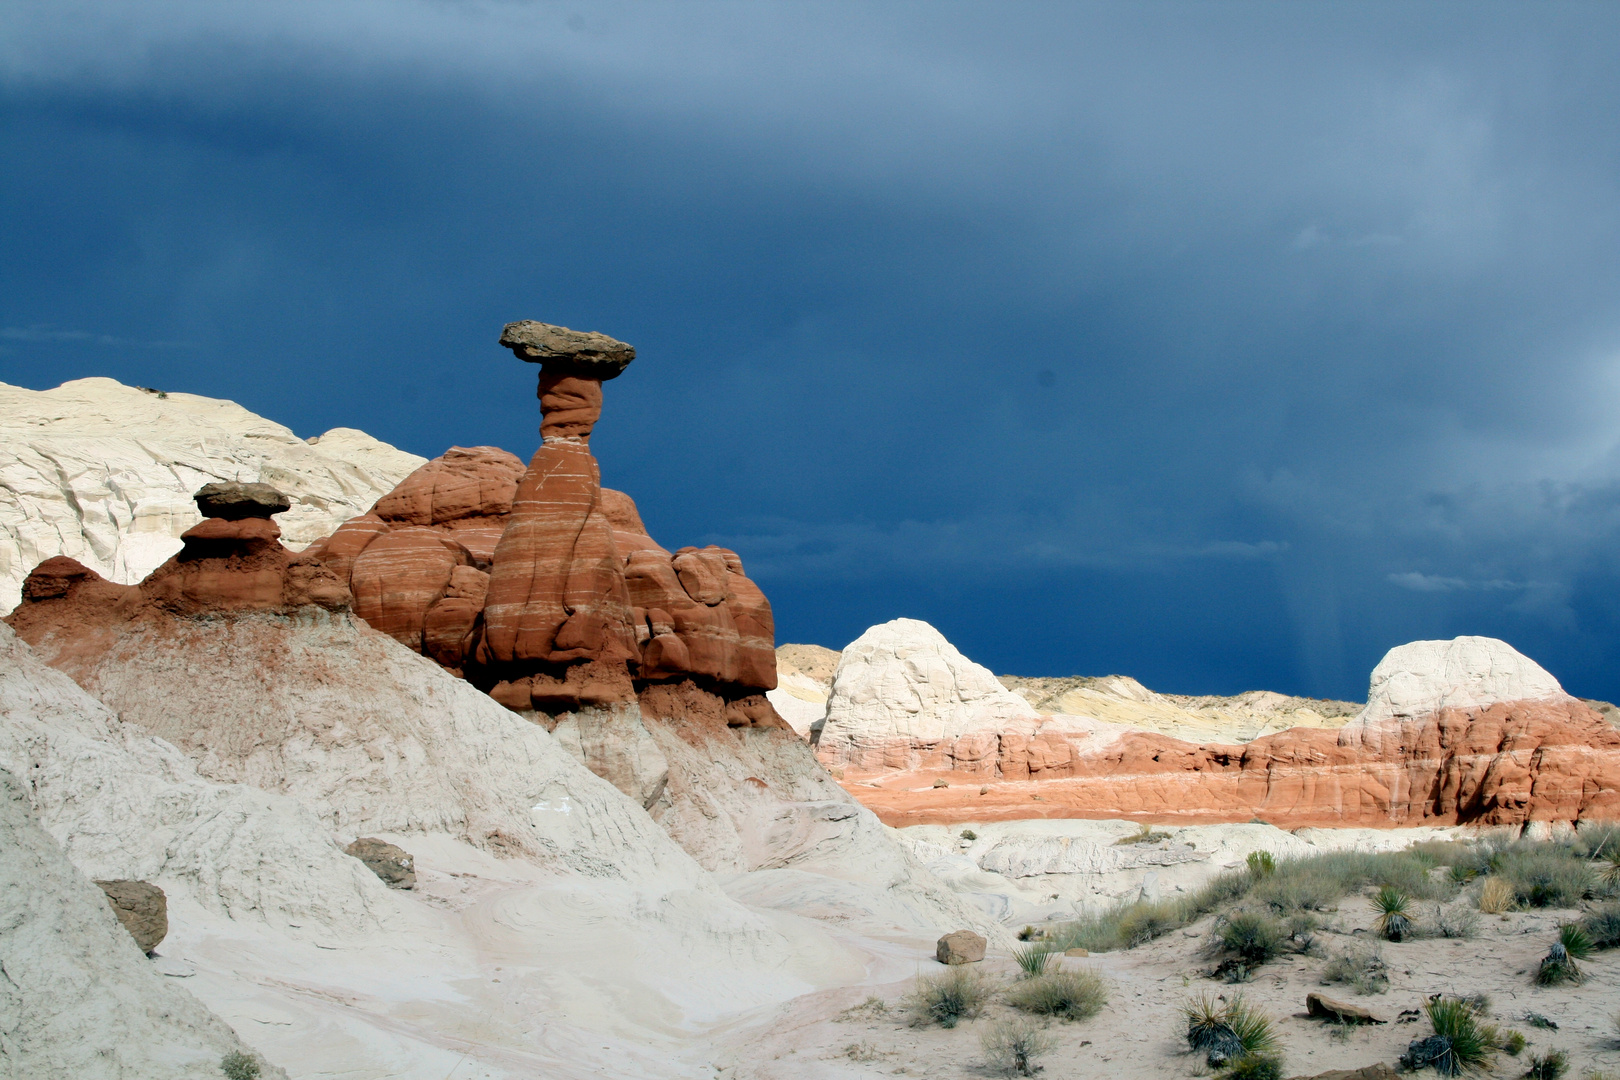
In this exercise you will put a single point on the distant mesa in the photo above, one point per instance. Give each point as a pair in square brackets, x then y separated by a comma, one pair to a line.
[1453, 732]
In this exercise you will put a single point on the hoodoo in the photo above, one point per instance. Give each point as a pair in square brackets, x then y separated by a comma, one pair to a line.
[541, 586]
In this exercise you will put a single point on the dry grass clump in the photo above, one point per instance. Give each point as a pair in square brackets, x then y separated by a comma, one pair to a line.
[1456, 921]
[1602, 926]
[1068, 995]
[1234, 1037]
[1362, 969]
[947, 999]
[1143, 835]
[1495, 895]
[1011, 1046]
[1261, 864]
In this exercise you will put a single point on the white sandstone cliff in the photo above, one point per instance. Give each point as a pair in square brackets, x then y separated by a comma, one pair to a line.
[104, 473]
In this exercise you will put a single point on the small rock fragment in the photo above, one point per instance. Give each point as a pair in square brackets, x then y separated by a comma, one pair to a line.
[1379, 1071]
[1075, 952]
[142, 908]
[960, 947]
[391, 863]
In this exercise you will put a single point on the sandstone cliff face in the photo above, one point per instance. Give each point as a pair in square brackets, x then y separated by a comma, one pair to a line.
[1461, 731]
[104, 473]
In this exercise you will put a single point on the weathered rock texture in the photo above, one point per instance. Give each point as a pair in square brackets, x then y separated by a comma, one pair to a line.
[104, 474]
[142, 908]
[804, 675]
[1460, 731]
[77, 1000]
[390, 862]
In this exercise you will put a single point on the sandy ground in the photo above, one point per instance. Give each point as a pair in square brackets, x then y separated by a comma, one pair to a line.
[1139, 1033]
[503, 976]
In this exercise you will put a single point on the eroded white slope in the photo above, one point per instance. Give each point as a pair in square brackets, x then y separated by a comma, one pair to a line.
[78, 998]
[104, 473]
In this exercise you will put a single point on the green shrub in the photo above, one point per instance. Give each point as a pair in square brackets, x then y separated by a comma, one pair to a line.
[1143, 835]
[1549, 1066]
[1012, 1045]
[1254, 1067]
[1393, 921]
[239, 1066]
[1513, 1042]
[1261, 864]
[969, 834]
[946, 999]
[1069, 995]
[1546, 876]
[1033, 960]
[1251, 939]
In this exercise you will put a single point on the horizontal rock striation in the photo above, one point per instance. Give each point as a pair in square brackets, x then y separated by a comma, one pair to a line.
[1464, 731]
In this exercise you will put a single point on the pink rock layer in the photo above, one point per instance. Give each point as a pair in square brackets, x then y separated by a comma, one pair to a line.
[1506, 763]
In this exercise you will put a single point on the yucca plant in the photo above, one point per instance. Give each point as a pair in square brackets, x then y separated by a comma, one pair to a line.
[1459, 1044]
[1393, 921]
[1609, 868]
[1557, 967]
[1034, 960]
[1235, 1037]
[1574, 939]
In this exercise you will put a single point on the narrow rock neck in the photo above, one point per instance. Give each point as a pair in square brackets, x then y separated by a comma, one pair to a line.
[570, 405]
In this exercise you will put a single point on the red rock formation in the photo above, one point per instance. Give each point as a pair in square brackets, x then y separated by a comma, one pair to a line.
[541, 585]
[1504, 763]
[227, 565]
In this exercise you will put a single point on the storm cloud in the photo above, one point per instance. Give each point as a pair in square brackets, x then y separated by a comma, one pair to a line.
[1226, 346]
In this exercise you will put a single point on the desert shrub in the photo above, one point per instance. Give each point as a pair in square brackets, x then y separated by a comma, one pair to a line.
[1549, 1066]
[1012, 1045]
[1393, 921]
[1033, 960]
[1362, 969]
[1234, 1037]
[1602, 926]
[239, 1066]
[1608, 872]
[1251, 939]
[1459, 1043]
[946, 999]
[1512, 1042]
[1261, 864]
[1536, 1020]
[1546, 876]
[969, 834]
[1455, 921]
[1557, 967]
[1069, 995]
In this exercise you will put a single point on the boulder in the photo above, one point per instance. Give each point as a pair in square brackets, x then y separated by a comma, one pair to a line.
[142, 908]
[960, 947]
[234, 501]
[1325, 1008]
[391, 863]
[558, 346]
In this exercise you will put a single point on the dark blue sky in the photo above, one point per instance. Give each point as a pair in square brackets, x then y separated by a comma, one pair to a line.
[1223, 345]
